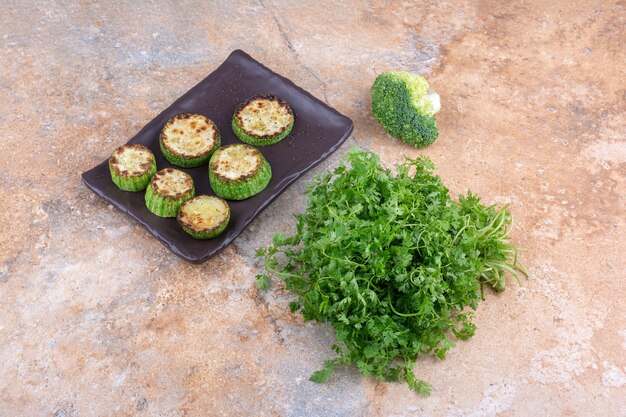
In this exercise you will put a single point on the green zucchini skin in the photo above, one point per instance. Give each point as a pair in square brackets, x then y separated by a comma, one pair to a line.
[165, 205]
[186, 161]
[265, 140]
[240, 189]
[130, 182]
[133, 184]
[259, 141]
[206, 233]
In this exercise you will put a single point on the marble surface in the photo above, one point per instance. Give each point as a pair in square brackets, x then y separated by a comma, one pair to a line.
[97, 318]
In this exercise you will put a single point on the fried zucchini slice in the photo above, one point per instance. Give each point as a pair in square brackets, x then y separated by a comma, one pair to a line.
[188, 140]
[167, 191]
[238, 171]
[263, 120]
[132, 167]
[204, 216]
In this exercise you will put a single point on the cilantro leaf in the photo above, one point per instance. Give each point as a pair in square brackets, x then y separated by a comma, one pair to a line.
[262, 281]
[392, 262]
[322, 375]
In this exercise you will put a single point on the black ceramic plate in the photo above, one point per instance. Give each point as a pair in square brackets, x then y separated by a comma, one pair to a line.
[318, 131]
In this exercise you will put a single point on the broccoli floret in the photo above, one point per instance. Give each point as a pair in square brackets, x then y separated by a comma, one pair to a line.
[403, 107]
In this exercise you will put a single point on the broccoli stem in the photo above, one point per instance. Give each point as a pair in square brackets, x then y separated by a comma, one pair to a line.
[436, 101]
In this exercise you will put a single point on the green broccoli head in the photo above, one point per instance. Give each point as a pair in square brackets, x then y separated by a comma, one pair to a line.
[403, 107]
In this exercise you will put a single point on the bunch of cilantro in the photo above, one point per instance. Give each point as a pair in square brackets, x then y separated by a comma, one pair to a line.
[391, 262]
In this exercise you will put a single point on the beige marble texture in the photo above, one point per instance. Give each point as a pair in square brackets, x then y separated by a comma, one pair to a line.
[97, 318]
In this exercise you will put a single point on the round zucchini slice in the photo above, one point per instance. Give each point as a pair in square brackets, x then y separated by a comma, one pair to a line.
[239, 171]
[188, 140]
[263, 120]
[204, 216]
[132, 167]
[167, 191]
